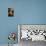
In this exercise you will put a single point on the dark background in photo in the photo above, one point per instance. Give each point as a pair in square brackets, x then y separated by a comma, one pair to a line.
[10, 12]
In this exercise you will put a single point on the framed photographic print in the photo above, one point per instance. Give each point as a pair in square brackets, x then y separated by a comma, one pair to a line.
[10, 12]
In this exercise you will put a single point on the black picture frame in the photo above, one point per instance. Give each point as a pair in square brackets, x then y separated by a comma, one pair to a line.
[10, 12]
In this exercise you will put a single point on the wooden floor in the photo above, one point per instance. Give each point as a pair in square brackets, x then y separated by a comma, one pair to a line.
[30, 43]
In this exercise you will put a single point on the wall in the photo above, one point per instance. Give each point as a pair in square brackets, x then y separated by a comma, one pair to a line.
[31, 11]
[7, 24]
[26, 12]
